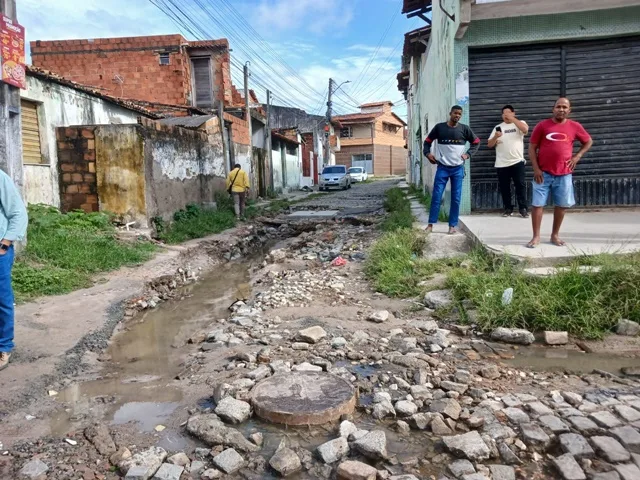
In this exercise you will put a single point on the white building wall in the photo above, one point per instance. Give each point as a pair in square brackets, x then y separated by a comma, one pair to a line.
[61, 106]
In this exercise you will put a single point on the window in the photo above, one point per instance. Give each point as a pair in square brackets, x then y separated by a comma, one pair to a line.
[291, 149]
[31, 146]
[390, 128]
[202, 81]
[164, 59]
[346, 132]
[335, 169]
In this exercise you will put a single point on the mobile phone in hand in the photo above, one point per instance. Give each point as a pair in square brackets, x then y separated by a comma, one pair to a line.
[498, 129]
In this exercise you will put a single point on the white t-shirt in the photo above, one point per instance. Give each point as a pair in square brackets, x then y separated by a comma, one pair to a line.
[510, 149]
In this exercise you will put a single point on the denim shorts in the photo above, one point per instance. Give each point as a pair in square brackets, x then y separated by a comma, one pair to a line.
[560, 187]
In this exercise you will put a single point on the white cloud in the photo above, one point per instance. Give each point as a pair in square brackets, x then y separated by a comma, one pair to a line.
[315, 16]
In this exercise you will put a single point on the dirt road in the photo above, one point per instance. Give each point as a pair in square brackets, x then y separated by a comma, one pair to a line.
[428, 391]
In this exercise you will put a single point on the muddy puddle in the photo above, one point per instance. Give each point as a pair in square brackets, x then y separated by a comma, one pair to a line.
[137, 384]
[570, 361]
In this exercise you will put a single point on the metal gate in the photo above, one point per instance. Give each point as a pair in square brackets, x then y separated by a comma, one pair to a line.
[600, 79]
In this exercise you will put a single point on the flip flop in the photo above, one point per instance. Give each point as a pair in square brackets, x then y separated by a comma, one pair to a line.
[531, 245]
[562, 243]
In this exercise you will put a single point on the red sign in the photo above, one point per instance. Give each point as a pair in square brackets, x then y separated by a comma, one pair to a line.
[12, 58]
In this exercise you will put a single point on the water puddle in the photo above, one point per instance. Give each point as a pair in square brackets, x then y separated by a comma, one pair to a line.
[137, 384]
[570, 361]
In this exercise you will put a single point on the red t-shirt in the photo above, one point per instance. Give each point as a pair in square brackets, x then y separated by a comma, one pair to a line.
[555, 144]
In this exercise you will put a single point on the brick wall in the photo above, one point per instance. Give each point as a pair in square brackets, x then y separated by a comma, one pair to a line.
[77, 169]
[130, 67]
[239, 129]
[389, 160]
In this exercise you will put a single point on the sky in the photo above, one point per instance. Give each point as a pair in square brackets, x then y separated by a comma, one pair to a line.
[293, 46]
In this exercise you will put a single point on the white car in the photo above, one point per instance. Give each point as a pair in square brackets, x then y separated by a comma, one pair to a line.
[358, 174]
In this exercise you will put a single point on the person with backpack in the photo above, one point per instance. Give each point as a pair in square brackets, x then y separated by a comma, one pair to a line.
[238, 186]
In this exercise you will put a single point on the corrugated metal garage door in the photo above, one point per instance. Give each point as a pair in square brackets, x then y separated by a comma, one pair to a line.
[599, 77]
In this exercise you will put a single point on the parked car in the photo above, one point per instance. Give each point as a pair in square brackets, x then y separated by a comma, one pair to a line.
[335, 176]
[358, 174]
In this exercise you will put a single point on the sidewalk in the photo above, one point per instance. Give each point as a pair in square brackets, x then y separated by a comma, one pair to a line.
[586, 233]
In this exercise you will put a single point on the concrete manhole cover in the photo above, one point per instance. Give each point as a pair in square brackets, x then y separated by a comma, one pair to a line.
[303, 398]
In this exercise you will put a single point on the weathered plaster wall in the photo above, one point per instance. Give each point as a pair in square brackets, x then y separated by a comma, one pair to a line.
[62, 106]
[294, 171]
[119, 167]
[181, 167]
[436, 90]
[278, 180]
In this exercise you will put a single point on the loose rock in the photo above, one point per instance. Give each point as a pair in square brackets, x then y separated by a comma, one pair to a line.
[569, 468]
[469, 445]
[312, 334]
[333, 450]
[210, 429]
[229, 461]
[513, 335]
[438, 299]
[34, 468]
[628, 328]
[380, 316]
[352, 470]
[556, 338]
[373, 445]
[232, 410]
[100, 437]
[285, 462]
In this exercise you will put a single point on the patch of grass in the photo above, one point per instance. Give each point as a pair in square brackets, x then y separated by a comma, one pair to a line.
[587, 305]
[398, 207]
[63, 251]
[424, 197]
[395, 265]
[197, 222]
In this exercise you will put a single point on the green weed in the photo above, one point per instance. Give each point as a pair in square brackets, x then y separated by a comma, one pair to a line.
[197, 222]
[584, 304]
[63, 251]
[395, 264]
[399, 213]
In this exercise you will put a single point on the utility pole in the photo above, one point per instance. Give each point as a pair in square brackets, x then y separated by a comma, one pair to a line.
[225, 148]
[268, 139]
[327, 132]
[248, 112]
[10, 122]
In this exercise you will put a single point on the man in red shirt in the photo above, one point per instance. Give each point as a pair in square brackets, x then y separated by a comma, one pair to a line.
[551, 154]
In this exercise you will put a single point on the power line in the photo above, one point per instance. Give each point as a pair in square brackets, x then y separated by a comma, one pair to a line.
[261, 76]
[358, 81]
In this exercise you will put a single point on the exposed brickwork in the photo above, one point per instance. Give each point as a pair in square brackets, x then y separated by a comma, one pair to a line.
[77, 169]
[239, 129]
[129, 67]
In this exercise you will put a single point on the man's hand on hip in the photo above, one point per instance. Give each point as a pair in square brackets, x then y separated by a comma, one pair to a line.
[432, 158]
[573, 162]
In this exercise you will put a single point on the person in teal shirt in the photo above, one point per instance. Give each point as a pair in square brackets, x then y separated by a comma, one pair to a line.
[13, 227]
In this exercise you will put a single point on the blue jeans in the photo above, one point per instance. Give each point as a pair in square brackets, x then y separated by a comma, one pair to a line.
[443, 175]
[6, 301]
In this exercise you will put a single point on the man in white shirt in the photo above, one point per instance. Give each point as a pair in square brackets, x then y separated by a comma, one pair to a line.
[508, 140]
